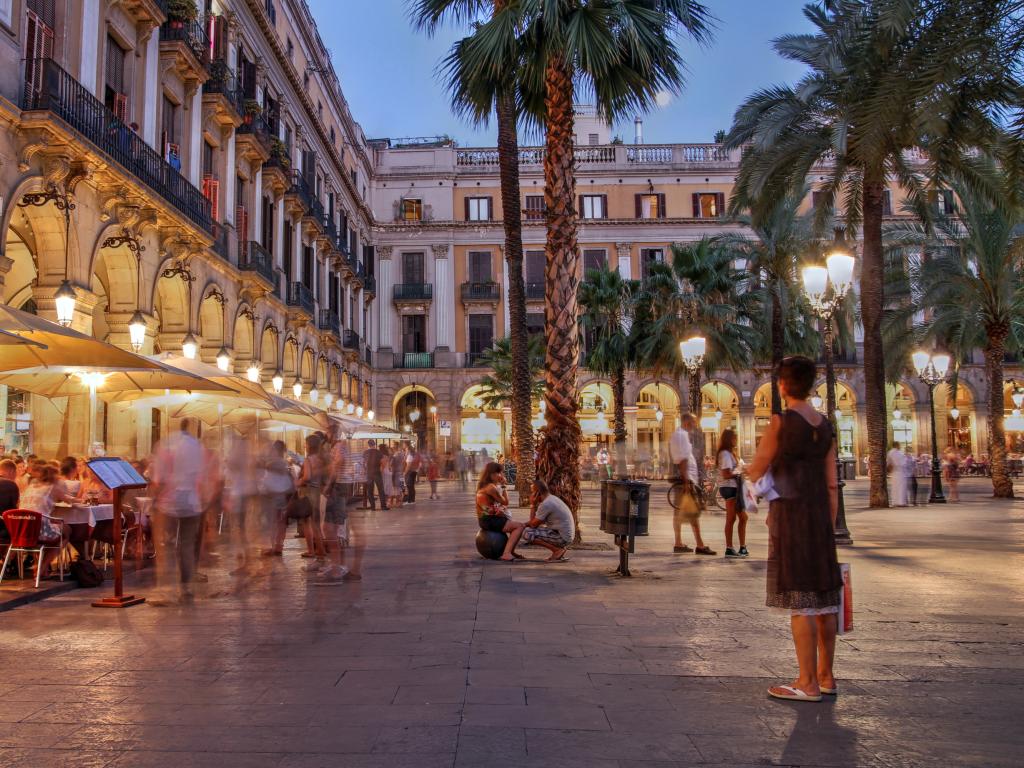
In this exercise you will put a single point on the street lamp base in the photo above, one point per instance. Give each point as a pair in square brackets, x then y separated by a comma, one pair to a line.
[843, 537]
[937, 499]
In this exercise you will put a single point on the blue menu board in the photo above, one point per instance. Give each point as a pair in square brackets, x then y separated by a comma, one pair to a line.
[116, 473]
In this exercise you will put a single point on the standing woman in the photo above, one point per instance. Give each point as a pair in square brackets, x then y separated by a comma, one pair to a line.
[951, 474]
[728, 487]
[803, 570]
[310, 482]
[385, 472]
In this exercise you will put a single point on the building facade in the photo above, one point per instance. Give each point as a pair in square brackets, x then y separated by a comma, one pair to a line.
[220, 186]
[222, 189]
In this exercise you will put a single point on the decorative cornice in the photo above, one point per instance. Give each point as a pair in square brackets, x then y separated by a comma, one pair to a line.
[440, 251]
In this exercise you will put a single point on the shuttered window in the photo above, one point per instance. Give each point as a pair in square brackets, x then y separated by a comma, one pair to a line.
[594, 259]
[534, 322]
[414, 333]
[649, 256]
[478, 208]
[708, 205]
[480, 266]
[412, 268]
[114, 96]
[534, 208]
[534, 266]
[594, 206]
[481, 333]
[650, 206]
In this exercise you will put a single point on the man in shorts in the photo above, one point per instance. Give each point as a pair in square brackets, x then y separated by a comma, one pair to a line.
[551, 524]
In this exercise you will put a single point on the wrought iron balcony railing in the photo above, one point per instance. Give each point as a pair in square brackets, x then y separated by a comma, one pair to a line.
[301, 188]
[255, 258]
[221, 245]
[191, 33]
[48, 87]
[475, 359]
[259, 127]
[370, 284]
[413, 292]
[480, 291]
[329, 321]
[300, 296]
[224, 82]
[350, 339]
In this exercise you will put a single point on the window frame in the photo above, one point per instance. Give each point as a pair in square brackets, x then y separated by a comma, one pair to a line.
[477, 202]
[589, 199]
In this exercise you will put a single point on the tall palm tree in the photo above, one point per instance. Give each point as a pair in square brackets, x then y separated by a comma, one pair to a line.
[886, 78]
[607, 302]
[782, 238]
[621, 54]
[475, 94]
[968, 293]
[699, 293]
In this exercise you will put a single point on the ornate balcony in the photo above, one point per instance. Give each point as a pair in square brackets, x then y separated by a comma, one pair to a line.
[350, 340]
[487, 293]
[535, 291]
[48, 88]
[413, 293]
[221, 245]
[256, 260]
[370, 284]
[253, 139]
[184, 47]
[300, 297]
[222, 96]
[298, 196]
[277, 170]
[413, 360]
[329, 321]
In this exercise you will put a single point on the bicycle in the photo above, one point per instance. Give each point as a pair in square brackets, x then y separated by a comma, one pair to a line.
[708, 490]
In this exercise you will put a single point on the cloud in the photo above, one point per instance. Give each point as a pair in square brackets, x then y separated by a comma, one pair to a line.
[663, 99]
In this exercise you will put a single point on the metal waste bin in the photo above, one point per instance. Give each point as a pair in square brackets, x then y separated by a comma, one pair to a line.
[621, 500]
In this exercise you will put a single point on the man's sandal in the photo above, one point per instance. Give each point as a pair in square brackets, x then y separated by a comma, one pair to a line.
[792, 694]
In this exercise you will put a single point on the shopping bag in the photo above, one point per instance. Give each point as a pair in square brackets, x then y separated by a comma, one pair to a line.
[749, 499]
[845, 600]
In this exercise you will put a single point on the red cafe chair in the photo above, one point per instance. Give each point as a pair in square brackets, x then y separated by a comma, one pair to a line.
[24, 527]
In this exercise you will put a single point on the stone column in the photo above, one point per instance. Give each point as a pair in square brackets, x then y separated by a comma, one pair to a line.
[195, 157]
[151, 92]
[385, 310]
[623, 254]
[229, 176]
[443, 307]
[298, 258]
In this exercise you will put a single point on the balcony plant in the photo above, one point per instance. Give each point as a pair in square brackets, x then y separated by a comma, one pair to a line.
[250, 109]
[180, 12]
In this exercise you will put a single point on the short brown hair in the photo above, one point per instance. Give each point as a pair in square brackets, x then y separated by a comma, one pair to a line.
[799, 373]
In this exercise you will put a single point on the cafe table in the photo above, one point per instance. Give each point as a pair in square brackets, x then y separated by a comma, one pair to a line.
[88, 514]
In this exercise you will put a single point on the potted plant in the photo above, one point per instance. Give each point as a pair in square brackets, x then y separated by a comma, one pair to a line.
[181, 11]
[279, 152]
[251, 109]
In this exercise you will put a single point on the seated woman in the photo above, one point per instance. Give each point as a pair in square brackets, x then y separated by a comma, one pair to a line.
[71, 481]
[492, 509]
[43, 491]
[93, 490]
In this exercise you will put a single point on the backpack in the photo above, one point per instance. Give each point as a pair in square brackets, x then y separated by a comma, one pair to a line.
[86, 573]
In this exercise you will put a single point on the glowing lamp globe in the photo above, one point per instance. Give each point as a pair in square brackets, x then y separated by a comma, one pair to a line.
[224, 359]
[137, 331]
[65, 298]
[189, 346]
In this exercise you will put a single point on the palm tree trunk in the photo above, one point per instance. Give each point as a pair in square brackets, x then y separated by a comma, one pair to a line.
[872, 301]
[619, 393]
[1002, 485]
[522, 406]
[558, 461]
[778, 343]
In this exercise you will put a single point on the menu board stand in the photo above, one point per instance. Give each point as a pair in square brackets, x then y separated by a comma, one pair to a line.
[117, 475]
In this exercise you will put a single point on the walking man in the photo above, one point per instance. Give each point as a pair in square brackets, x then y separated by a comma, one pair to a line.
[682, 453]
[374, 475]
[412, 470]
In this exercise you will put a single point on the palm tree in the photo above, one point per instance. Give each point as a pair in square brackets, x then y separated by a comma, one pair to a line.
[475, 93]
[699, 293]
[782, 238]
[886, 78]
[967, 280]
[498, 387]
[607, 303]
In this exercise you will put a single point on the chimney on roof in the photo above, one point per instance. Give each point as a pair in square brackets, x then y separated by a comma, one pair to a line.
[638, 130]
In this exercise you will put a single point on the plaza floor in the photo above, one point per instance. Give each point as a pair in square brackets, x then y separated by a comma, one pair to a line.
[438, 658]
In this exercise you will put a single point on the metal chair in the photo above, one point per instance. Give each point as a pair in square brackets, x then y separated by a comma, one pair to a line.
[25, 527]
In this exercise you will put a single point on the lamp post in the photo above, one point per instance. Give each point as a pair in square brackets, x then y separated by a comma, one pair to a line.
[932, 370]
[826, 287]
[693, 351]
[65, 297]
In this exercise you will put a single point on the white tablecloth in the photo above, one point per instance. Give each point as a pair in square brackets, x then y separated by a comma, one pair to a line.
[81, 513]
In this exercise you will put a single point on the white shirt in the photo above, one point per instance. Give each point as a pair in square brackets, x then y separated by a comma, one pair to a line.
[897, 460]
[178, 468]
[679, 448]
[726, 461]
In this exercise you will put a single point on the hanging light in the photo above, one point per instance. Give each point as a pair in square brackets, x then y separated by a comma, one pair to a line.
[297, 388]
[328, 397]
[253, 372]
[954, 413]
[1018, 399]
[897, 415]
[359, 411]
[482, 415]
[816, 402]
[370, 415]
[314, 395]
[224, 359]
[340, 405]
[277, 382]
[189, 346]
[1014, 422]
[433, 410]
[659, 415]
[65, 300]
[414, 414]
[350, 408]
[718, 415]
[137, 331]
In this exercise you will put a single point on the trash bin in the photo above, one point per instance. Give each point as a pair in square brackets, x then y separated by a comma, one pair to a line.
[621, 499]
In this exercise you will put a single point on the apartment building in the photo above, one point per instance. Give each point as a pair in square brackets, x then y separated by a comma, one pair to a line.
[443, 287]
[214, 181]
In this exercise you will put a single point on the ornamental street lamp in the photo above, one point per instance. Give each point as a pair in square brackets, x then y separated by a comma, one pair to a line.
[65, 297]
[253, 372]
[370, 415]
[189, 346]
[297, 388]
[826, 287]
[223, 359]
[277, 382]
[932, 370]
[314, 395]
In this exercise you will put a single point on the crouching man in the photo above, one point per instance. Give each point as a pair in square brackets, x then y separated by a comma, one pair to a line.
[551, 524]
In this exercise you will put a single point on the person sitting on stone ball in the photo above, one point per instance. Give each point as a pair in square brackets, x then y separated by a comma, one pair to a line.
[551, 524]
[492, 509]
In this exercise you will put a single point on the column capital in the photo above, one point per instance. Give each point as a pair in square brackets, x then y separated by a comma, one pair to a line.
[440, 251]
[384, 252]
[622, 250]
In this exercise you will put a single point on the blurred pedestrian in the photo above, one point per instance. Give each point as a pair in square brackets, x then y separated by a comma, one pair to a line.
[896, 467]
[374, 475]
[728, 488]
[799, 449]
[951, 474]
[276, 485]
[681, 450]
[433, 475]
[413, 463]
[311, 479]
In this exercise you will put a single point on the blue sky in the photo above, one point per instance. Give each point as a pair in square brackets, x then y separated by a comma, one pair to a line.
[388, 71]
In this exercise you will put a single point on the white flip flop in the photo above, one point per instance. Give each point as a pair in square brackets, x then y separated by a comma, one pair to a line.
[795, 694]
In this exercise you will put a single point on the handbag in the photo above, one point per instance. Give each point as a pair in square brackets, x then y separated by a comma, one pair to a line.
[690, 506]
[298, 507]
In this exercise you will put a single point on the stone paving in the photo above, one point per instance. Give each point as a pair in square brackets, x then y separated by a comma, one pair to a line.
[440, 659]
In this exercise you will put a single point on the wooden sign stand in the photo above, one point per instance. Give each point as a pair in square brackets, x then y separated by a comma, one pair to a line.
[117, 475]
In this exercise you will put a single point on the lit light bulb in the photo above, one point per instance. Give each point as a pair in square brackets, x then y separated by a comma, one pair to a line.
[137, 331]
[189, 346]
[277, 382]
[65, 299]
[954, 413]
[359, 411]
[314, 395]
[414, 414]
[433, 410]
[223, 359]
[370, 415]
[297, 388]
[897, 414]
[350, 408]
[328, 397]
[816, 402]
[659, 416]
[253, 373]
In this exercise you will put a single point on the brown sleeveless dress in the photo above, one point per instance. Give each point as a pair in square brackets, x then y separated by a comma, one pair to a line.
[803, 569]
